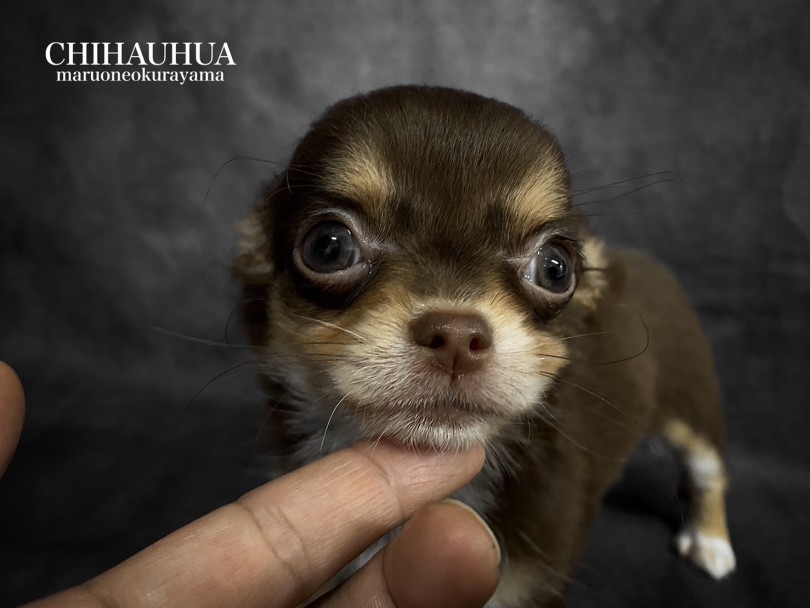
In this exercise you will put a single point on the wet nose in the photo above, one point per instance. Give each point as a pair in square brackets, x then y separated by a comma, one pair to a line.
[454, 342]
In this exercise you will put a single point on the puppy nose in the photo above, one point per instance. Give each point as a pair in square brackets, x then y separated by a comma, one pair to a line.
[455, 342]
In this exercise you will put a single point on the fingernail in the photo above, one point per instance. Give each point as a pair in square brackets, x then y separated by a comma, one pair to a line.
[480, 519]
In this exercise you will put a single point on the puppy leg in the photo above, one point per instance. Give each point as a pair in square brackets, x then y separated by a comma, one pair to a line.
[704, 537]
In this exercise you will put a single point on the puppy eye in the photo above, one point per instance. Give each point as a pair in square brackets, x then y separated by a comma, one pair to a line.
[330, 247]
[551, 269]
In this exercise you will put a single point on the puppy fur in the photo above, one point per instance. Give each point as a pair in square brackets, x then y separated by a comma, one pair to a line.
[474, 306]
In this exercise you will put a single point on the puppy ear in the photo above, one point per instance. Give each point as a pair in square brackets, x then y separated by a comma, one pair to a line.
[254, 261]
[253, 265]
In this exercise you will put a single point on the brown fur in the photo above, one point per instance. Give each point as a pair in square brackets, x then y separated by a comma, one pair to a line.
[447, 193]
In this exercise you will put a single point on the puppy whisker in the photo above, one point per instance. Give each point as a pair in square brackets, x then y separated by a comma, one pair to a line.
[205, 341]
[222, 374]
[620, 183]
[329, 421]
[558, 426]
[586, 335]
[602, 398]
[233, 159]
[624, 194]
[289, 188]
[326, 343]
[332, 326]
[542, 553]
[635, 355]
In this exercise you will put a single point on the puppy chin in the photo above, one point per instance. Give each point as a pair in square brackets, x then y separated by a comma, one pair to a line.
[437, 426]
[442, 431]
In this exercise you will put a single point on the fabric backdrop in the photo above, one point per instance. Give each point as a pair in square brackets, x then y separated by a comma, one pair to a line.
[117, 231]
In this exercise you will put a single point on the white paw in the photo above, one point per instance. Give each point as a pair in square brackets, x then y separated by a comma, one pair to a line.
[711, 553]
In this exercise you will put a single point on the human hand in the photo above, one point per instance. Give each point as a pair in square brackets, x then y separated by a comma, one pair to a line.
[12, 414]
[280, 543]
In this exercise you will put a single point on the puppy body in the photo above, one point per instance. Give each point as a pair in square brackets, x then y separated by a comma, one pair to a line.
[418, 273]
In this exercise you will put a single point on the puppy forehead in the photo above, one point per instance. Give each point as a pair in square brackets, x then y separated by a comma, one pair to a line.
[444, 162]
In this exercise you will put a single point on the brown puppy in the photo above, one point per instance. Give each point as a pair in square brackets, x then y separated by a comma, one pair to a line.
[418, 273]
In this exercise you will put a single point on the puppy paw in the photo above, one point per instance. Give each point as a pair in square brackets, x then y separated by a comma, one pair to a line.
[711, 553]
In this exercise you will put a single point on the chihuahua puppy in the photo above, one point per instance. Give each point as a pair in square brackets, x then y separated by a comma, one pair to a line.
[418, 273]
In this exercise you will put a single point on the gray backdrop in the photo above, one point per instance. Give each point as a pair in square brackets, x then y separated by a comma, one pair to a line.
[109, 240]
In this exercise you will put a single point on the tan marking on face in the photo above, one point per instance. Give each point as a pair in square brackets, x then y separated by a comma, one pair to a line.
[299, 349]
[318, 341]
[542, 194]
[358, 172]
[591, 282]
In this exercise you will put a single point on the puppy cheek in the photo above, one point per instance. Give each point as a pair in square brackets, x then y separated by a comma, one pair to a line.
[298, 352]
[528, 357]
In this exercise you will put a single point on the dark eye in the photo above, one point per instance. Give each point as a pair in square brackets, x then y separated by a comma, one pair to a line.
[330, 247]
[550, 269]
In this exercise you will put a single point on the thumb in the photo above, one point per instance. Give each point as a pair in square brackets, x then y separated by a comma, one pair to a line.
[445, 557]
[12, 413]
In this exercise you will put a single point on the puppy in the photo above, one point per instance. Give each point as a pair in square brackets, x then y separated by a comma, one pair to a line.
[418, 273]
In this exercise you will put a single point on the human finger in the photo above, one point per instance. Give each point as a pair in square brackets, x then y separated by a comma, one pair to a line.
[445, 557]
[12, 414]
[278, 544]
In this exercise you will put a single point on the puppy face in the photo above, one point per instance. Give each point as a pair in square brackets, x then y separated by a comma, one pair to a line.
[418, 268]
